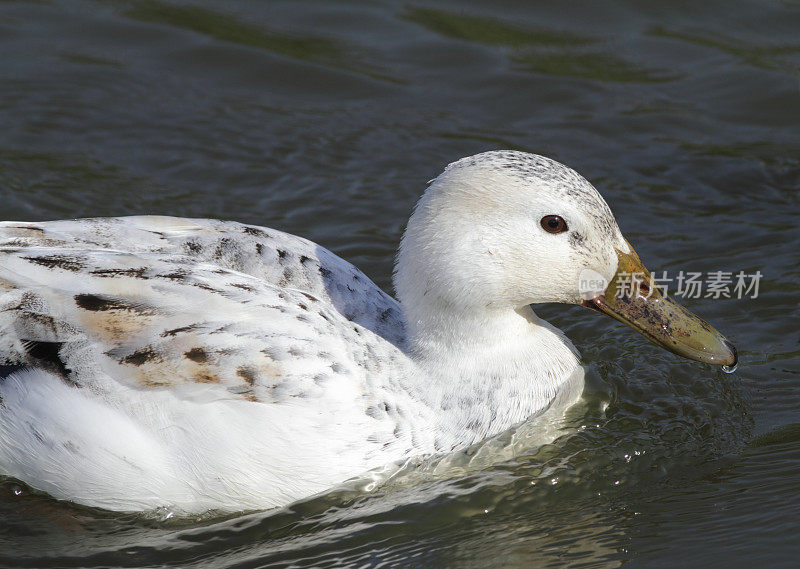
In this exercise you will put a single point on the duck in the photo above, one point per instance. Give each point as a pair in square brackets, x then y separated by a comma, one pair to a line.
[154, 362]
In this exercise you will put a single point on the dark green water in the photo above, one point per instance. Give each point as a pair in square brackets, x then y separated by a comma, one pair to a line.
[325, 119]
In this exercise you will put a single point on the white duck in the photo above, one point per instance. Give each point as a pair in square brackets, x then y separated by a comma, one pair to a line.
[198, 364]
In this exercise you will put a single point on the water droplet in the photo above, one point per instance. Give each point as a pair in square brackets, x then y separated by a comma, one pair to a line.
[730, 369]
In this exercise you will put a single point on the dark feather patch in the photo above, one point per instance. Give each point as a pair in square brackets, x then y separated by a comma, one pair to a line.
[48, 355]
[246, 374]
[136, 272]
[250, 230]
[95, 303]
[198, 355]
[58, 262]
[140, 357]
[6, 370]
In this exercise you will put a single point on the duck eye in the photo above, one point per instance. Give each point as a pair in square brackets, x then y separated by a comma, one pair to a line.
[554, 224]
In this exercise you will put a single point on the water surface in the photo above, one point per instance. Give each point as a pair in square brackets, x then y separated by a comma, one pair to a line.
[325, 119]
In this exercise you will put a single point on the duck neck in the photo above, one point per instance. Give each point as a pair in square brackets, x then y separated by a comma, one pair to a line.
[487, 370]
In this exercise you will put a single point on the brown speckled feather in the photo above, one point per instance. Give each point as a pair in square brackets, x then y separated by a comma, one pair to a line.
[187, 302]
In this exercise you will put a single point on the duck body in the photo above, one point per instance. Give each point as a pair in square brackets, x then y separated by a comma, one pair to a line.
[197, 365]
[191, 363]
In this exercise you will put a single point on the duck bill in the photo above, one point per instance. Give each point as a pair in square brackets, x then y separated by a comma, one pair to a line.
[633, 298]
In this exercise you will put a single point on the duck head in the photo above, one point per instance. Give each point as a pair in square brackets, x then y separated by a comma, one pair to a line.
[502, 230]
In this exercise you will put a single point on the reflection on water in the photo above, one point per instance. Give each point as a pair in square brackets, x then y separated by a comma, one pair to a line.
[571, 59]
[325, 119]
[597, 66]
[220, 26]
[769, 57]
[489, 30]
[225, 28]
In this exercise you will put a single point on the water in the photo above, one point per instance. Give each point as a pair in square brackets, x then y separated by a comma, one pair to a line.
[326, 119]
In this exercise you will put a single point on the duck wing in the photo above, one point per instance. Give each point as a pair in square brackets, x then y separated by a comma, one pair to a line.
[154, 372]
[283, 260]
[150, 320]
